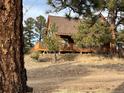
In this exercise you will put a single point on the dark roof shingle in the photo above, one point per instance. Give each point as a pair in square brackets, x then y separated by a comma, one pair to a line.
[64, 25]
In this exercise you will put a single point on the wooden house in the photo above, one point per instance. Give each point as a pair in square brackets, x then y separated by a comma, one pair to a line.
[65, 29]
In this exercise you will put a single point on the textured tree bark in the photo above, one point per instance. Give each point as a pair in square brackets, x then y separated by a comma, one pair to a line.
[112, 17]
[40, 38]
[113, 41]
[12, 72]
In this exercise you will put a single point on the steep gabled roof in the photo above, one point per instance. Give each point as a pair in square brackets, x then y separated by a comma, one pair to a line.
[64, 25]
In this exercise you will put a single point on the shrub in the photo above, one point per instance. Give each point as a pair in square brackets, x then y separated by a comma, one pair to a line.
[35, 55]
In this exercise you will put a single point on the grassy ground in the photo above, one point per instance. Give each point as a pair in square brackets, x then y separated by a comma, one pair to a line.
[76, 74]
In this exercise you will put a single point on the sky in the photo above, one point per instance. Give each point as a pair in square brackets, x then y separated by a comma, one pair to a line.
[34, 8]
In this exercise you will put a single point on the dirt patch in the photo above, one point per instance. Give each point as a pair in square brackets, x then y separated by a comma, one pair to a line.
[85, 74]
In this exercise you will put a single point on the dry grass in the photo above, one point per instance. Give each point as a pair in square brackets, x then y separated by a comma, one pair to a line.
[84, 74]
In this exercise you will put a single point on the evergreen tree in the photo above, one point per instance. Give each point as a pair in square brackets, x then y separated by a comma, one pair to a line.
[12, 71]
[52, 41]
[40, 26]
[29, 34]
[92, 35]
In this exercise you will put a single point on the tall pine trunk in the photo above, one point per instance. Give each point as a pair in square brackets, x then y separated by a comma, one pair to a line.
[113, 40]
[12, 72]
[113, 31]
[40, 37]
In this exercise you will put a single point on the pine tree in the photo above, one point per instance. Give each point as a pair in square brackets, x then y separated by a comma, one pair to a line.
[40, 26]
[52, 41]
[92, 35]
[29, 34]
[12, 71]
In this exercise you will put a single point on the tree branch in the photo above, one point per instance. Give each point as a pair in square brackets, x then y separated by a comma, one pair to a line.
[121, 21]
